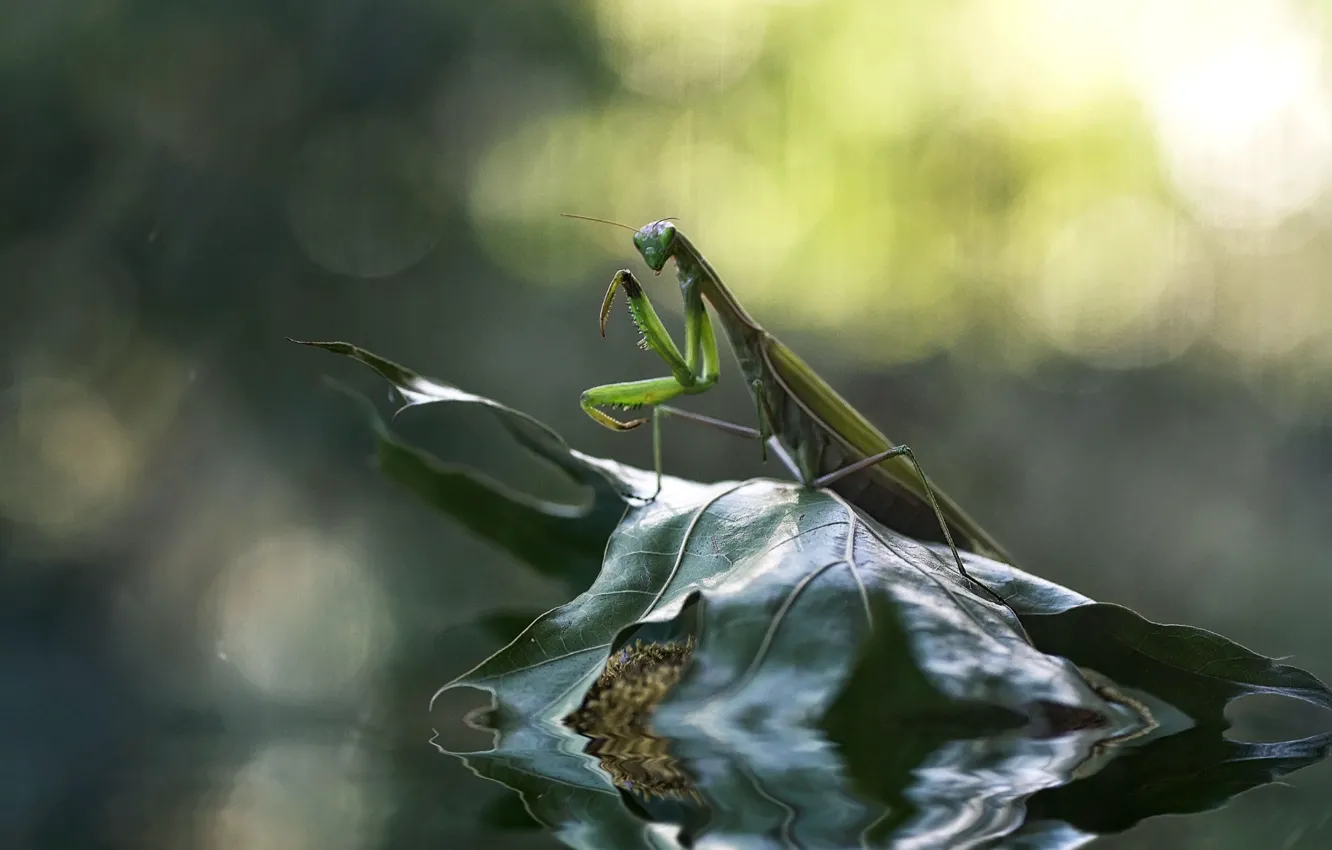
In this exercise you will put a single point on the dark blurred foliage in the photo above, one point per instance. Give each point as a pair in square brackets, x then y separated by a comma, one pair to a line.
[219, 627]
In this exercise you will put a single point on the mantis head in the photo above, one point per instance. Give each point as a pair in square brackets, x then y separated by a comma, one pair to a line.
[656, 242]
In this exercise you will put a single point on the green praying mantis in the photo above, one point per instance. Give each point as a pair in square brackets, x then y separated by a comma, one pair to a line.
[818, 435]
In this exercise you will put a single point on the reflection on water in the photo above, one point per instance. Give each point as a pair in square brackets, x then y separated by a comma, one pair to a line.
[930, 785]
[639, 763]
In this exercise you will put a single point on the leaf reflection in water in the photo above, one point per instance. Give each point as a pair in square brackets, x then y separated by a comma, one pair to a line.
[919, 785]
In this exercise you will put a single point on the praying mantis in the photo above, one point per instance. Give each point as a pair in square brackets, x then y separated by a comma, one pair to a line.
[818, 435]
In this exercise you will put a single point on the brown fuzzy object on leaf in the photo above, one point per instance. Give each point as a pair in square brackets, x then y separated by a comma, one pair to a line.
[616, 714]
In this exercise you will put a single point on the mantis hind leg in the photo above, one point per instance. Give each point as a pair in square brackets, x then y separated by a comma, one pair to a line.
[905, 451]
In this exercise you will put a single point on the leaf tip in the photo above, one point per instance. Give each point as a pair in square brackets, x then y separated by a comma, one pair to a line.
[334, 346]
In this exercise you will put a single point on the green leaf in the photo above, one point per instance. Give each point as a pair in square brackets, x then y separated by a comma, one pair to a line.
[564, 541]
[1196, 671]
[789, 580]
[794, 582]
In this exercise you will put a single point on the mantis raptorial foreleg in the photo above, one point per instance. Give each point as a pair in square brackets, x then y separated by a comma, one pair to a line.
[628, 396]
[693, 372]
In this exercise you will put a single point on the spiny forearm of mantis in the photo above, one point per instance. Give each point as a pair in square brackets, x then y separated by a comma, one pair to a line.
[694, 372]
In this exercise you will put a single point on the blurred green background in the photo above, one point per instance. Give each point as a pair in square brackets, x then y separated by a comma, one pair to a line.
[1074, 253]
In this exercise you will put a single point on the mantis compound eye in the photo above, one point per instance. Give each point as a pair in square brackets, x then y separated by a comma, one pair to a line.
[655, 242]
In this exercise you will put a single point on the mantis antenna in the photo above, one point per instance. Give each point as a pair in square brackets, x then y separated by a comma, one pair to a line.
[599, 220]
[608, 221]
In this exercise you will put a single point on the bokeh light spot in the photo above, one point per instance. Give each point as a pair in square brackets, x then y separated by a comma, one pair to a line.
[679, 49]
[1124, 285]
[293, 796]
[366, 198]
[300, 618]
[1237, 93]
[1045, 57]
[68, 460]
[1278, 318]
